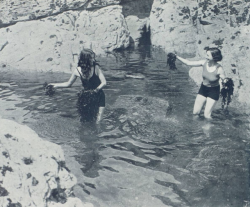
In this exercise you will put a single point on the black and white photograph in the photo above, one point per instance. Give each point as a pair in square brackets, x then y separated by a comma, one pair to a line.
[124, 103]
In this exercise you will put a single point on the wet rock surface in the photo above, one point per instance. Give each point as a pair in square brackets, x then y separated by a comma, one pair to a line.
[187, 27]
[54, 43]
[16, 11]
[33, 171]
[183, 161]
[136, 28]
[171, 26]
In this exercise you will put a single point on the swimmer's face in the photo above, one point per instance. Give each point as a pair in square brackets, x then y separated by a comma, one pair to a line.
[209, 55]
[83, 64]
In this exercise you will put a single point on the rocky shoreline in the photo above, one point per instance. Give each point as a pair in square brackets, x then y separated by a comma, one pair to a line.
[33, 171]
[48, 35]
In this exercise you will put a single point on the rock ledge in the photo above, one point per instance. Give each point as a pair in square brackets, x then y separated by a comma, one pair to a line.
[33, 171]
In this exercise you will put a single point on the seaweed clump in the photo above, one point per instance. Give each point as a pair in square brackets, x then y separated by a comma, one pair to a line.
[227, 92]
[171, 61]
[87, 105]
[49, 89]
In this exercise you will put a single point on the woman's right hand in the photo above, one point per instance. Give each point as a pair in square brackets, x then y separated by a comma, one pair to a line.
[54, 85]
[49, 89]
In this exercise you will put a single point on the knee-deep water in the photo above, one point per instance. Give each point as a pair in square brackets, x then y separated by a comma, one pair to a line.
[148, 150]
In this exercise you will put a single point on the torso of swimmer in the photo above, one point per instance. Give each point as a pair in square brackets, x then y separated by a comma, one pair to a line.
[91, 76]
[92, 79]
[212, 70]
[86, 69]
[210, 74]
[209, 91]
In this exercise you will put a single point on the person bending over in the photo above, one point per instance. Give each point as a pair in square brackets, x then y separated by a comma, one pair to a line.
[91, 100]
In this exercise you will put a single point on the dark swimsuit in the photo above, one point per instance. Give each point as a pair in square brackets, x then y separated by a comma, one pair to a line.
[92, 84]
[210, 86]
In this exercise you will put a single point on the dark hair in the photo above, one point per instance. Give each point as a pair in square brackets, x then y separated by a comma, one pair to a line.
[85, 58]
[216, 53]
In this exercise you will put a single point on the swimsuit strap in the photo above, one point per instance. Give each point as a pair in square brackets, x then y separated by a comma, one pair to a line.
[218, 65]
[79, 73]
[94, 70]
[206, 65]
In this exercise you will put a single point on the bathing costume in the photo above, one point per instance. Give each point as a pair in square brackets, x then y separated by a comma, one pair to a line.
[92, 84]
[210, 86]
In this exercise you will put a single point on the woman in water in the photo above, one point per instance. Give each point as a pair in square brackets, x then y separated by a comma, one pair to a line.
[210, 88]
[92, 80]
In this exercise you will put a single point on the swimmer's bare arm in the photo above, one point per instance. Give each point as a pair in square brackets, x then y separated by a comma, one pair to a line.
[102, 79]
[67, 84]
[221, 73]
[191, 62]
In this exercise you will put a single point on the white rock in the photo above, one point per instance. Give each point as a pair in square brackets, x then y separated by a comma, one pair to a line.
[71, 202]
[169, 30]
[21, 10]
[187, 27]
[54, 43]
[31, 167]
[135, 27]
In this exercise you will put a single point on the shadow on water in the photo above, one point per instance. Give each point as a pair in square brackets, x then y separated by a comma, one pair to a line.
[148, 150]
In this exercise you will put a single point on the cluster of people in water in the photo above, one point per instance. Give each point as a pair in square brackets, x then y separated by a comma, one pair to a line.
[91, 99]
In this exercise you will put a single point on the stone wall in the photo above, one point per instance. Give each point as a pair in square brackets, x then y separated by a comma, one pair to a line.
[187, 27]
[33, 171]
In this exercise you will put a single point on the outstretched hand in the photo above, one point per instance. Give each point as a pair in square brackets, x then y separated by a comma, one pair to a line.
[171, 61]
[49, 89]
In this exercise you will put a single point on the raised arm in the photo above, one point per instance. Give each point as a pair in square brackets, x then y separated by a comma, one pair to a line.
[101, 77]
[67, 84]
[191, 63]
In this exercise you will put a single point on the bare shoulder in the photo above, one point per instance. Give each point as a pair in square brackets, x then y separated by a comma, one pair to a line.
[76, 71]
[220, 68]
[97, 69]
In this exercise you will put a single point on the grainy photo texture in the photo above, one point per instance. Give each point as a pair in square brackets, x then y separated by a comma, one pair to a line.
[124, 103]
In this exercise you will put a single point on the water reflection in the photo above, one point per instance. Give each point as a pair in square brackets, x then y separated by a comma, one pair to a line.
[148, 151]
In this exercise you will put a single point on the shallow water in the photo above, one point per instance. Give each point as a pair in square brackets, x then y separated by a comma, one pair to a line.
[148, 150]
